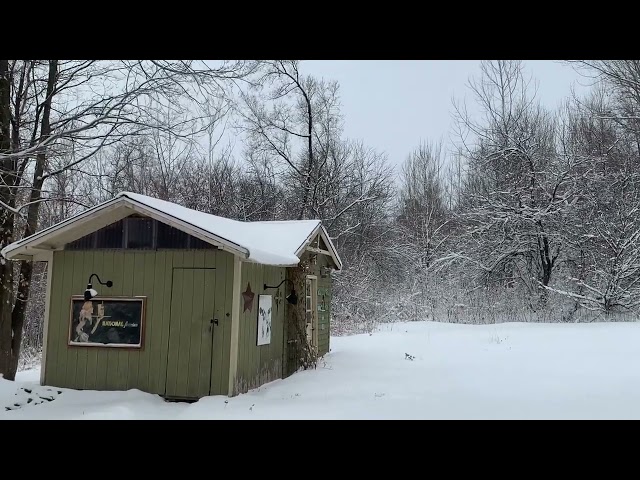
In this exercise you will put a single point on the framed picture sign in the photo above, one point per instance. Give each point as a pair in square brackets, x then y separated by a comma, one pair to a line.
[264, 319]
[107, 322]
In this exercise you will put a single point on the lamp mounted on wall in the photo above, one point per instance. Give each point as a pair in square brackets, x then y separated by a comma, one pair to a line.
[292, 298]
[89, 293]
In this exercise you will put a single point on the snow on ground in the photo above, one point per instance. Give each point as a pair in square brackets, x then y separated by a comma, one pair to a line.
[505, 371]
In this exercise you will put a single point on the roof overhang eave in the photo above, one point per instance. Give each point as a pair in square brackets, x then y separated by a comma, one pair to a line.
[28, 248]
[319, 229]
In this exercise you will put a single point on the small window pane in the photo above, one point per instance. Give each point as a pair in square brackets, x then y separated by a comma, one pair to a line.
[84, 243]
[140, 233]
[196, 243]
[169, 237]
[110, 236]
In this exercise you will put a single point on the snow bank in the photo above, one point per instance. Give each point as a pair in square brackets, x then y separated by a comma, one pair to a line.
[417, 370]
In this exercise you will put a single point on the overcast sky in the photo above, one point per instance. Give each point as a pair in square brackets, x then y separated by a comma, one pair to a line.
[393, 105]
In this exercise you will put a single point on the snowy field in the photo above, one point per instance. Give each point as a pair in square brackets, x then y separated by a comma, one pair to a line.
[419, 370]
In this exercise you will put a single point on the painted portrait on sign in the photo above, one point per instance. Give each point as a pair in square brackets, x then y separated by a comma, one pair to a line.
[264, 319]
[113, 322]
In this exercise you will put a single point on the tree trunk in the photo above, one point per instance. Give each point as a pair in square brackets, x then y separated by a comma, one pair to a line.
[26, 267]
[6, 222]
[6, 295]
[547, 261]
[307, 184]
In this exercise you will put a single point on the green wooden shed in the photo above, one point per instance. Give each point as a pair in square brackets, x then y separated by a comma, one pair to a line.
[147, 294]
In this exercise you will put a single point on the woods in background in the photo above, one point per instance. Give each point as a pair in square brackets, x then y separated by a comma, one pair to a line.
[533, 216]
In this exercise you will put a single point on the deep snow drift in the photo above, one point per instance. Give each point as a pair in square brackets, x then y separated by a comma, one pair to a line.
[418, 370]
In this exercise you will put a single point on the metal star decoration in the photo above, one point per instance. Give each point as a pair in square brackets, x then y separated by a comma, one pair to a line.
[247, 296]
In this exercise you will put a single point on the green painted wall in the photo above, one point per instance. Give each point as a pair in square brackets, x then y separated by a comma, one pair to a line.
[324, 305]
[151, 274]
[135, 273]
[258, 365]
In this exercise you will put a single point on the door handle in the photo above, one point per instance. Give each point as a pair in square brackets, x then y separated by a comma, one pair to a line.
[212, 322]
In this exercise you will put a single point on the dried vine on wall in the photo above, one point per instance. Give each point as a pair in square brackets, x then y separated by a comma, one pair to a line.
[305, 354]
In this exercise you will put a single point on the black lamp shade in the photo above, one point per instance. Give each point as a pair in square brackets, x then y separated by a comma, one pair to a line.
[292, 298]
[89, 293]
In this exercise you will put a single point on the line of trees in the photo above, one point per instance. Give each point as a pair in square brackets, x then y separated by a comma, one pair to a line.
[535, 215]
[545, 208]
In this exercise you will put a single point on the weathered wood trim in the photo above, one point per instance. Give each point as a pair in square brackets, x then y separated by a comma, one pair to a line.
[235, 324]
[321, 232]
[319, 250]
[88, 215]
[334, 253]
[104, 214]
[308, 240]
[47, 304]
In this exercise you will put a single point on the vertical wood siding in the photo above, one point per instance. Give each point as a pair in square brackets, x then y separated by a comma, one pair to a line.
[258, 365]
[136, 273]
[150, 274]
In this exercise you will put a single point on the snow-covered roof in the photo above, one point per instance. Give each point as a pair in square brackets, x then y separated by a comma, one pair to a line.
[270, 243]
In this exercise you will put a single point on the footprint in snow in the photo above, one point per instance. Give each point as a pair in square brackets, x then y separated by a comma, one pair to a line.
[33, 397]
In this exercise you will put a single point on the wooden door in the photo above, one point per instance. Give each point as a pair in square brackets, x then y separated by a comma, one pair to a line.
[191, 331]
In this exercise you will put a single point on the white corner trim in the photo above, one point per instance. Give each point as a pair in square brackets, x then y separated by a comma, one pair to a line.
[235, 324]
[47, 312]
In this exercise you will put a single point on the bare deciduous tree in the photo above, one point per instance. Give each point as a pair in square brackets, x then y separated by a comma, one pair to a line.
[515, 187]
[70, 110]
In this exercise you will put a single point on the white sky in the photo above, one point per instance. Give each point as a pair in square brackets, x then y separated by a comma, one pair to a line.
[393, 105]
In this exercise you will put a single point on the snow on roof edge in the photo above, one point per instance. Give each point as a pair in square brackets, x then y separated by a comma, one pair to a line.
[242, 234]
[284, 253]
[45, 231]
